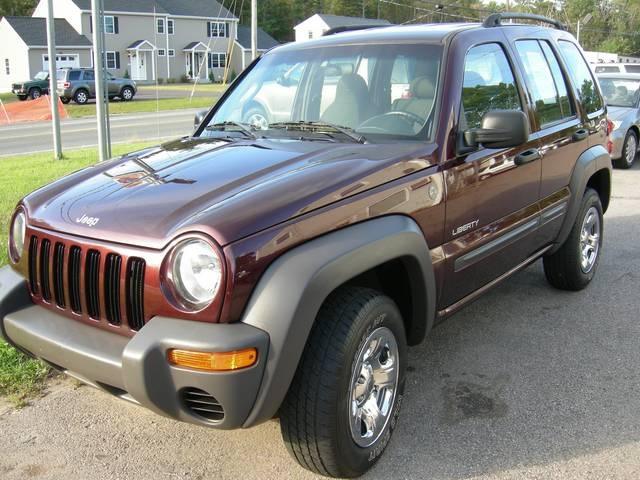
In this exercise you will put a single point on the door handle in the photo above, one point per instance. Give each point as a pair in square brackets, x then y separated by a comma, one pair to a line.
[580, 134]
[527, 156]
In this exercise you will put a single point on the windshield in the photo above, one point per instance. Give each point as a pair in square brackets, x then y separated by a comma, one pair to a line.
[620, 92]
[348, 92]
[42, 75]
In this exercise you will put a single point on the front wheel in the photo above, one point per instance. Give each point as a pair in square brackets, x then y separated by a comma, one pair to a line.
[35, 93]
[574, 265]
[344, 401]
[127, 94]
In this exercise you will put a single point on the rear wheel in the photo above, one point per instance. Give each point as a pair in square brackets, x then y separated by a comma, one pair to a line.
[127, 94]
[35, 93]
[344, 401]
[574, 265]
[629, 150]
[81, 97]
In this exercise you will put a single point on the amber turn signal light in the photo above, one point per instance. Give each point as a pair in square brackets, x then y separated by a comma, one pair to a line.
[213, 361]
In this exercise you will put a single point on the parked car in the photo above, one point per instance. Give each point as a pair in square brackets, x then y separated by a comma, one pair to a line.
[616, 67]
[79, 85]
[622, 94]
[34, 88]
[282, 269]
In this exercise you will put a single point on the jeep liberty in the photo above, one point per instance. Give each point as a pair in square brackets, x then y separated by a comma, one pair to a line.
[278, 262]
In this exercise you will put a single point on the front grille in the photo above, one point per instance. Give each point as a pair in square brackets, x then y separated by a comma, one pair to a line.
[87, 282]
[201, 404]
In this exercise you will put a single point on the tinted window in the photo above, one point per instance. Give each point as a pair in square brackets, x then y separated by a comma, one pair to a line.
[546, 85]
[488, 84]
[582, 77]
[558, 80]
[88, 75]
[633, 68]
[620, 92]
[600, 69]
[74, 75]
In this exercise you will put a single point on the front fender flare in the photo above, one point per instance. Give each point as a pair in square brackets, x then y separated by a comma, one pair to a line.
[288, 297]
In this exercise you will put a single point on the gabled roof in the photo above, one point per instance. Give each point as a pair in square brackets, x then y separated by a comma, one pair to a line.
[188, 8]
[33, 31]
[265, 41]
[334, 21]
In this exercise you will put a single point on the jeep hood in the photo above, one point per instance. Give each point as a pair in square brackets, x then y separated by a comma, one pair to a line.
[226, 189]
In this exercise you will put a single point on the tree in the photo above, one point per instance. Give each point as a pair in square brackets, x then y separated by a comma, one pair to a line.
[17, 7]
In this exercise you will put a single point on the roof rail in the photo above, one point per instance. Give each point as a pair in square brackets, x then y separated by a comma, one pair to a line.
[350, 28]
[495, 19]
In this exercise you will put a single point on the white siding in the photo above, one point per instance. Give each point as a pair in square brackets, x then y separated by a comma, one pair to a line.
[61, 9]
[18, 56]
[312, 27]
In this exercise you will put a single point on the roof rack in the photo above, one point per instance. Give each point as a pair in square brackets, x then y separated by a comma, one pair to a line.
[350, 28]
[495, 19]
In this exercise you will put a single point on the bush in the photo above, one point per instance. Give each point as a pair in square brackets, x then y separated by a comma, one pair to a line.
[126, 73]
[184, 78]
[171, 80]
[232, 76]
[212, 77]
[160, 81]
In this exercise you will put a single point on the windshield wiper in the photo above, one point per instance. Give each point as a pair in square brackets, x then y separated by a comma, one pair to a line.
[224, 126]
[319, 127]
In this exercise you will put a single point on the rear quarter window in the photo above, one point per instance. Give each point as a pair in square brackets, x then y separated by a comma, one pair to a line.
[73, 75]
[583, 81]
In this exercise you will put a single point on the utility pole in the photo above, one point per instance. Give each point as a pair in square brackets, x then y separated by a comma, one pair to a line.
[254, 29]
[584, 20]
[104, 143]
[53, 81]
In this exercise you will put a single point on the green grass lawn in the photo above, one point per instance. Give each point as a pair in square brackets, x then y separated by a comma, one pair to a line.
[140, 106]
[186, 87]
[21, 377]
[8, 97]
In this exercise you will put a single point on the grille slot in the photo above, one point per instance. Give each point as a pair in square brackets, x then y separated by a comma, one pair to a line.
[33, 264]
[75, 255]
[45, 286]
[201, 404]
[92, 281]
[58, 275]
[135, 293]
[112, 271]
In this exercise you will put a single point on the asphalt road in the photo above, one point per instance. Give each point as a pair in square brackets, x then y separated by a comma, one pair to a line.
[82, 132]
[526, 383]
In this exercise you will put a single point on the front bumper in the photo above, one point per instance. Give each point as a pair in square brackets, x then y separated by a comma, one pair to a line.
[136, 369]
[19, 91]
[617, 139]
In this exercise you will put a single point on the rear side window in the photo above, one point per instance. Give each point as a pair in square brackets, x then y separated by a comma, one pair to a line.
[545, 81]
[600, 69]
[88, 75]
[581, 76]
[488, 84]
[74, 75]
[633, 68]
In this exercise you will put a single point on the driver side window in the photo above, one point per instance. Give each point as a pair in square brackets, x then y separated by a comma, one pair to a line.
[488, 84]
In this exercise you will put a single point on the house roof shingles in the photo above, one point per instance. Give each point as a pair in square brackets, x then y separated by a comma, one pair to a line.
[33, 31]
[265, 41]
[334, 21]
[187, 8]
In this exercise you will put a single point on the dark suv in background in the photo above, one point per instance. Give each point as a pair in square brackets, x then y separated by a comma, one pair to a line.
[279, 265]
[79, 85]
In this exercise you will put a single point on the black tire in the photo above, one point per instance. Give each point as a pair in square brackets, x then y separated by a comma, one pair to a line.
[81, 97]
[564, 269]
[22, 98]
[315, 417]
[65, 100]
[627, 159]
[127, 94]
[256, 116]
[35, 93]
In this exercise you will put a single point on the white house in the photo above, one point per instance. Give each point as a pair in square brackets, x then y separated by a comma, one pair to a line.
[316, 25]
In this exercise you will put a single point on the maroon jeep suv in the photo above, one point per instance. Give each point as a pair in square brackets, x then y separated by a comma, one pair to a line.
[279, 263]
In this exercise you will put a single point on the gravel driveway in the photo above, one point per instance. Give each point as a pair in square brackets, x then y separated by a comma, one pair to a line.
[526, 383]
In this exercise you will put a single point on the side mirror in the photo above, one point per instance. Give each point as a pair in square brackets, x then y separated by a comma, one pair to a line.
[199, 118]
[499, 129]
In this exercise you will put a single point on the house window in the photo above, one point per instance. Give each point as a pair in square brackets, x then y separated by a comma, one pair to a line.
[310, 35]
[172, 52]
[217, 60]
[110, 24]
[160, 25]
[216, 29]
[161, 52]
[7, 66]
[170, 27]
[112, 60]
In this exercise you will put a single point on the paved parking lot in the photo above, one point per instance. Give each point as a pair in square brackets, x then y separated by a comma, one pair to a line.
[526, 383]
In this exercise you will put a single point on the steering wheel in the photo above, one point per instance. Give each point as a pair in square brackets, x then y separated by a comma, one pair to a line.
[409, 118]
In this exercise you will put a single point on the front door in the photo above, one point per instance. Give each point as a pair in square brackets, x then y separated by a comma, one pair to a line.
[491, 209]
[139, 65]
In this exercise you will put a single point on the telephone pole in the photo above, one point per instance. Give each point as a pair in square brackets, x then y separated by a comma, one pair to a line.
[254, 29]
[53, 81]
[104, 142]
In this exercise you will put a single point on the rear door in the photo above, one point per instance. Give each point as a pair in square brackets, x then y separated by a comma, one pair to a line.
[491, 205]
[89, 79]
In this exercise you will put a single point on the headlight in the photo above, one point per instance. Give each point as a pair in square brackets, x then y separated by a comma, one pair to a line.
[17, 235]
[194, 272]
